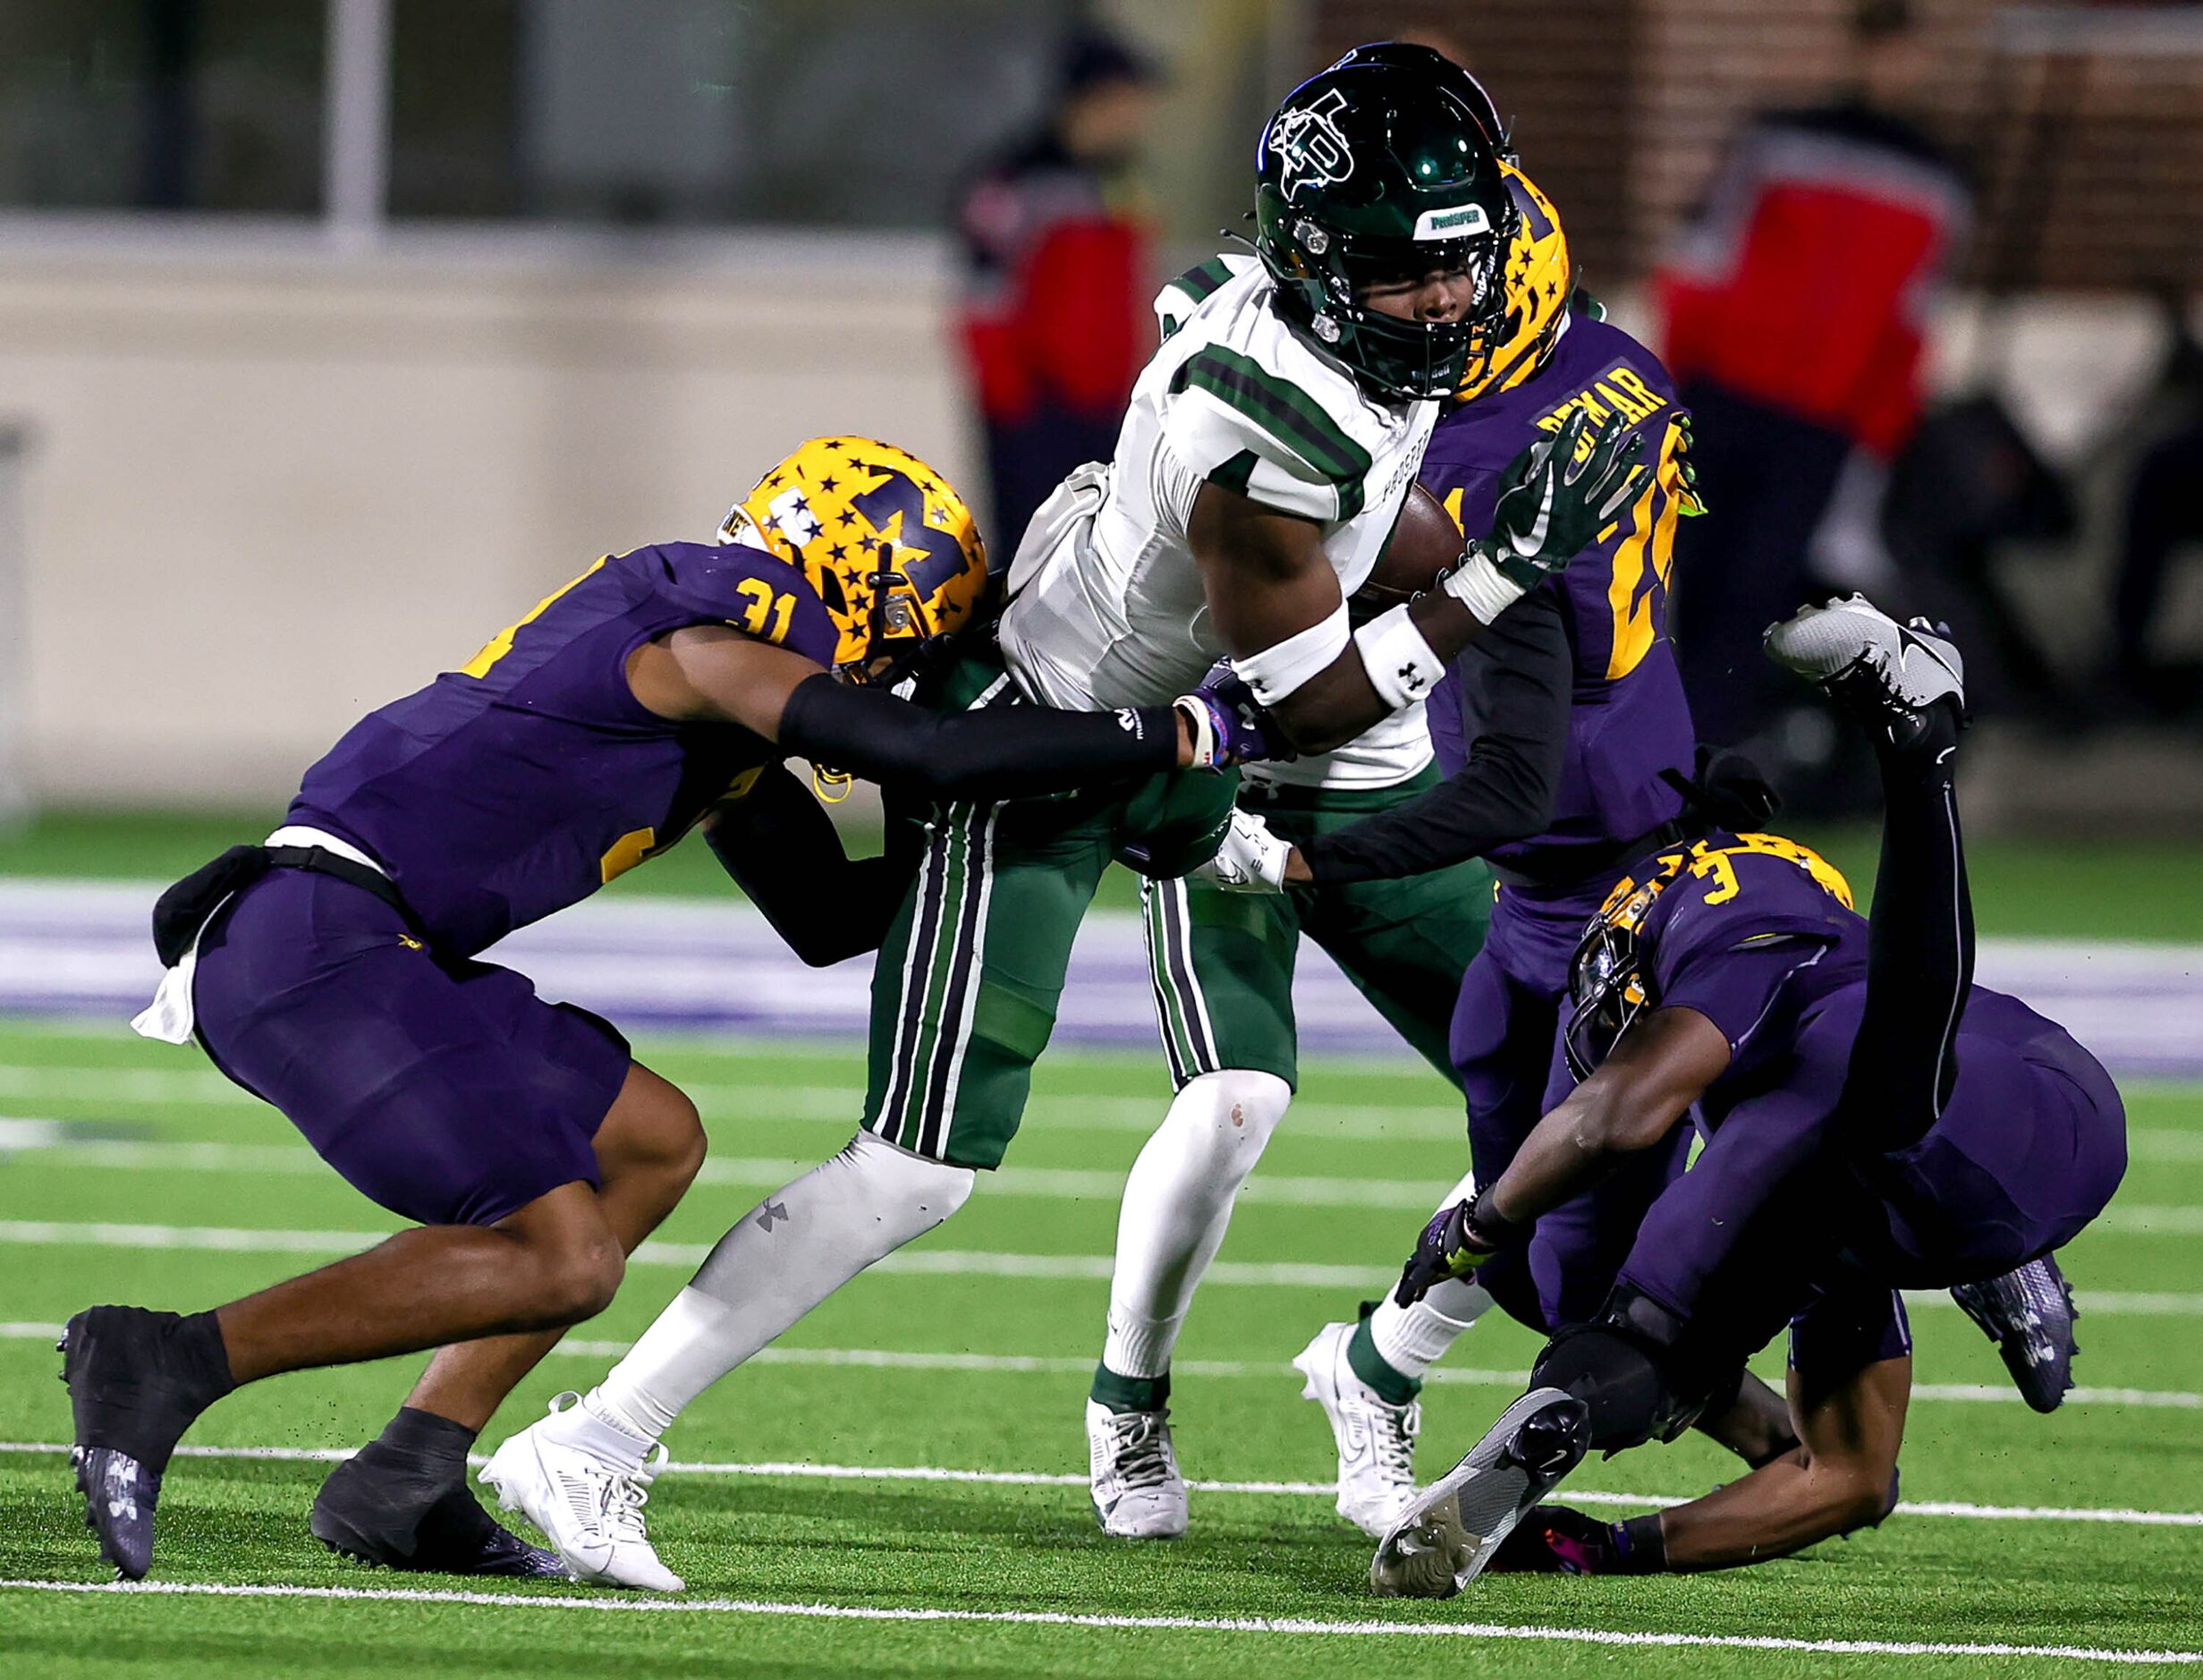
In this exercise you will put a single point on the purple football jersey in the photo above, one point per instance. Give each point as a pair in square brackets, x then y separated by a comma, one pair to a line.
[530, 777]
[1629, 721]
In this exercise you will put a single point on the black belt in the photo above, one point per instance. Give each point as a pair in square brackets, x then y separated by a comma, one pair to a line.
[183, 911]
[1592, 863]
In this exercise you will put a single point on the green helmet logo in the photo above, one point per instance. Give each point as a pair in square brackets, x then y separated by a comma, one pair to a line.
[1309, 147]
[1379, 171]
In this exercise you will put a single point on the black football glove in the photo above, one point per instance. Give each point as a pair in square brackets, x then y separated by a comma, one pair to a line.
[1451, 1246]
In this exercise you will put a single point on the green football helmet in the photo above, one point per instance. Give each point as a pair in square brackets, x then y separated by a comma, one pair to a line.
[1380, 169]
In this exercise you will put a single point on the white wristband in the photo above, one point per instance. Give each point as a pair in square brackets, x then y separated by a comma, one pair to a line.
[1277, 671]
[1482, 587]
[1401, 664]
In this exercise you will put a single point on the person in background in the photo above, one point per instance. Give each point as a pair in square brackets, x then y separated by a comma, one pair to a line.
[1055, 325]
[1792, 313]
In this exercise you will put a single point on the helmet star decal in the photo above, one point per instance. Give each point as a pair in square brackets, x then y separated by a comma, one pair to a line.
[888, 544]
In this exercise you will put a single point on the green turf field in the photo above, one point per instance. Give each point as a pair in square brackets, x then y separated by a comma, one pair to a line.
[168, 1187]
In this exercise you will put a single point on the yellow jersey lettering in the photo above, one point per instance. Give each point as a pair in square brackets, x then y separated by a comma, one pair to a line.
[1717, 865]
[1631, 411]
[629, 850]
[501, 644]
[764, 605]
[1633, 383]
[1650, 544]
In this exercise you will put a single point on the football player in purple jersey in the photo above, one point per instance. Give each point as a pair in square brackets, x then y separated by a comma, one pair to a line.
[1600, 742]
[335, 971]
[1873, 1120]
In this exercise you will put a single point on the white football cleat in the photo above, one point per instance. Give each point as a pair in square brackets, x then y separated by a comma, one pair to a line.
[1908, 665]
[1376, 1438]
[1139, 1493]
[571, 1475]
[1442, 1541]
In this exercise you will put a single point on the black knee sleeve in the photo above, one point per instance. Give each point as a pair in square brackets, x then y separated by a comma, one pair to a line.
[1610, 1373]
[1624, 1367]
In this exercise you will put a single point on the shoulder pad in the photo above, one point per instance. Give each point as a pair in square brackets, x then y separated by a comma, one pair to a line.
[1174, 304]
[1259, 413]
[756, 592]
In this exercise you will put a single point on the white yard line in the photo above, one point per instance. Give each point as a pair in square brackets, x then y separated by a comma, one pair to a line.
[1967, 1509]
[731, 1101]
[1054, 1364]
[724, 1101]
[932, 1262]
[1296, 1626]
[60, 1139]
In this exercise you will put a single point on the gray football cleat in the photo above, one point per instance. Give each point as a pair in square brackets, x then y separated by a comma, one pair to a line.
[2028, 1313]
[1443, 1542]
[1859, 652]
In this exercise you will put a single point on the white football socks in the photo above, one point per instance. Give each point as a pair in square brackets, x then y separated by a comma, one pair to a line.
[782, 1259]
[1413, 1339]
[1177, 1203]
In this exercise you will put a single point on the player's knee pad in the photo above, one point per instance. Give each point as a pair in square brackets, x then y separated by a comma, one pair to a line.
[1224, 1120]
[1621, 1366]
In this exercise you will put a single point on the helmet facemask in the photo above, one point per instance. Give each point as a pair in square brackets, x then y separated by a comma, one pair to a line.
[1608, 980]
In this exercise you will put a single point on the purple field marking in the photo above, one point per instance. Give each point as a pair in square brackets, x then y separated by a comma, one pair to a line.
[667, 965]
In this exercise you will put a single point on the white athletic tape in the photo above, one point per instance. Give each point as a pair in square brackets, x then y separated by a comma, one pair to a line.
[1399, 664]
[1278, 671]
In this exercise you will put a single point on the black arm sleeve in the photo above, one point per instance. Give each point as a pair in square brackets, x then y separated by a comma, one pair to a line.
[1001, 752]
[782, 849]
[1514, 682]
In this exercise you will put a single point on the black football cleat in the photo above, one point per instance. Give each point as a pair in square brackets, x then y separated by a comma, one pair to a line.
[137, 1380]
[2028, 1313]
[378, 1507]
[1451, 1533]
[119, 1497]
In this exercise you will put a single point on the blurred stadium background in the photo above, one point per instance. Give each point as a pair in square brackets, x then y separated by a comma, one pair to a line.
[328, 333]
[333, 332]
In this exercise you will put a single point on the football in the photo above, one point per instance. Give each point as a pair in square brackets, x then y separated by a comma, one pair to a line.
[1423, 541]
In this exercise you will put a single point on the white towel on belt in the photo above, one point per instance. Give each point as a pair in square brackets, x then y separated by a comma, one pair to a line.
[170, 1017]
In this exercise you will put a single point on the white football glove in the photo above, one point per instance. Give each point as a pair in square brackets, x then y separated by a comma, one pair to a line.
[1252, 859]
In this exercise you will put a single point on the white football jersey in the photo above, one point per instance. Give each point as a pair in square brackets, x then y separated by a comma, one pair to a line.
[1106, 607]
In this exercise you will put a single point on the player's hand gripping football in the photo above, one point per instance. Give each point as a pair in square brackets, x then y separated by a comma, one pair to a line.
[1550, 510]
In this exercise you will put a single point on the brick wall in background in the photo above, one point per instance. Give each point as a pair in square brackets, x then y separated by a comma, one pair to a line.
[1561, 71]
[1625, 106]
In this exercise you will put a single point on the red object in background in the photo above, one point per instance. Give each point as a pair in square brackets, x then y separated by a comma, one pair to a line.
[1056, 311]
[1803, 282]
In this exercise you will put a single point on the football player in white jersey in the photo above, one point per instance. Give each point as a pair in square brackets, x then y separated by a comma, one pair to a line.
[1267, 450]
[1222, 960]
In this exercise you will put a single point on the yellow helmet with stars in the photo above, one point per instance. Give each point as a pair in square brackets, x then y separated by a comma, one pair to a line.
[1539, 277]
[884, 541]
